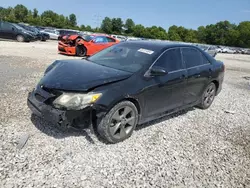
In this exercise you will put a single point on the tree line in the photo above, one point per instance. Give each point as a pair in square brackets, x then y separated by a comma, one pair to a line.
[221, 33]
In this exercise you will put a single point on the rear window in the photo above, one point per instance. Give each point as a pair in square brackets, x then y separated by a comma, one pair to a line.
[192, 57]
[110, 39]
[6, 26]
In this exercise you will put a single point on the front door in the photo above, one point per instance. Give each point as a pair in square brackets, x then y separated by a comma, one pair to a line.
[165, 93]
[198, 72]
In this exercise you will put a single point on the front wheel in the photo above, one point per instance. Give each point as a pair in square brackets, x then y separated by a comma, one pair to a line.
[20, 38]
[208, 96]
[119, 123]
[81, 51]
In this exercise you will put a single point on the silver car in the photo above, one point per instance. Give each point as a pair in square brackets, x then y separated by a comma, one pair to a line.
[54, 34]
[211, 50]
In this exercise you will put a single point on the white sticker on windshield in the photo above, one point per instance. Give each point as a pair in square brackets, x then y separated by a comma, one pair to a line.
[146, 51]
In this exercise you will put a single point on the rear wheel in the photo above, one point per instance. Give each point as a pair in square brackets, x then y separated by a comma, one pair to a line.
[81, 51]
[208, 96]
[20, 38]
[119, 123]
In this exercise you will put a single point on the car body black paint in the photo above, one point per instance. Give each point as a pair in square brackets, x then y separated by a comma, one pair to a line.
[80, 75]
[154, 96]
[12, 32]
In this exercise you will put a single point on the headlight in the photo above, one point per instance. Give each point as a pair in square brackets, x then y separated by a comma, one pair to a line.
[27, 33]
[75, 101]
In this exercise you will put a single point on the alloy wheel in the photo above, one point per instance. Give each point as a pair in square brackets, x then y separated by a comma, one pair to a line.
[122, 122]
[209, 95]
[20, 38]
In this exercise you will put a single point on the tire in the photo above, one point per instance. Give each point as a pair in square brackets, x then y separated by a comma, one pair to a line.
[20, 38]
[81, 51]
[208, 96]
[43, 39]
[119, 123]
[78, 39]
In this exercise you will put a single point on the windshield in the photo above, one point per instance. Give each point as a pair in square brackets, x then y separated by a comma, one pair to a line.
[88, 37]
[126, 57]
[29, 28]
[34, 29]
[18, 27]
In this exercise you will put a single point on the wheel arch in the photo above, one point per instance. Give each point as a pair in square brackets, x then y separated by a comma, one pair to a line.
[97, 115]
[217, 84]
[80, 45]
[135, 102]
[20, 34]
[128, 98]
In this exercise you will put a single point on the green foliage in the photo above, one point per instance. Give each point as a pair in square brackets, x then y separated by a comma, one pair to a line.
[244, 34]
[129, 25]
[117, 25]
[72, 20]
[139, 30]
[106, 25]
[173, 33]
[221, 33]
[35, 13]
[20, 12]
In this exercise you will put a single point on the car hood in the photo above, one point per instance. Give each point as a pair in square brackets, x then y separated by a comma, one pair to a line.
[79, 75]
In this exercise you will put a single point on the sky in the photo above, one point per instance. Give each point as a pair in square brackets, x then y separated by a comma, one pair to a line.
[164, 13]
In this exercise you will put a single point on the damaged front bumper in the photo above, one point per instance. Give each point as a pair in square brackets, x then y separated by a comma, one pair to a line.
[65, 118]
[66, 49]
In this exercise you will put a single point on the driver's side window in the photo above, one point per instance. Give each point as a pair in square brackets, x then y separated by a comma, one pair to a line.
[100, 40]
[170, 60]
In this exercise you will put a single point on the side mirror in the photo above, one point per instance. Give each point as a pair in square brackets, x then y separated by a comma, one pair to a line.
[13, 29]
[156, 71]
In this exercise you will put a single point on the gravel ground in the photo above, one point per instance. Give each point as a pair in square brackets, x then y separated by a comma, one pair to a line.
[195, 148]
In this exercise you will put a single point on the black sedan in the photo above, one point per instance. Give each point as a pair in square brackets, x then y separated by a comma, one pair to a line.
[12, 31]
[125, 85]
[40, 36]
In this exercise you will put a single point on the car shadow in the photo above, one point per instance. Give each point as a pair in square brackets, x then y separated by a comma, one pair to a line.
[58, 132]
[67, 55]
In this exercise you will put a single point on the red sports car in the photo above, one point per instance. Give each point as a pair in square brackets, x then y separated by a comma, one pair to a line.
[85, 45]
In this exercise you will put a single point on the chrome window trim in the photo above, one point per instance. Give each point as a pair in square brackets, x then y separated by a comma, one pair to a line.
[209, 63]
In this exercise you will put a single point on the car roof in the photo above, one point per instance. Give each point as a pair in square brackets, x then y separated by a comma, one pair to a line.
[158, 45]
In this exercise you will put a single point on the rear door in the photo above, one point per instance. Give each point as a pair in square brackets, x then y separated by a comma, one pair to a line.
[199, 71]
